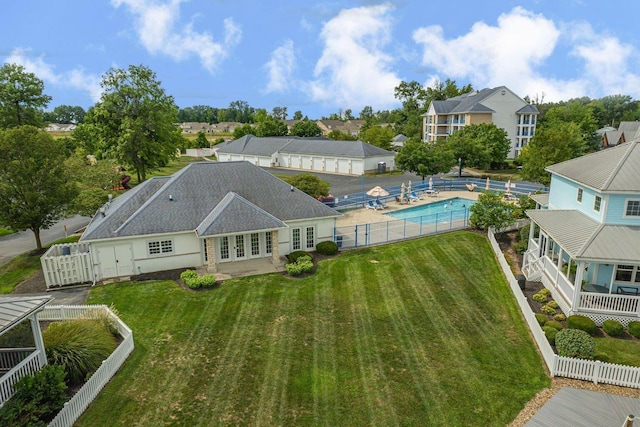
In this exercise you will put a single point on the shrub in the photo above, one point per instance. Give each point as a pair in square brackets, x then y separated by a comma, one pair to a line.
[547, 309]
[109, 322]
[634, 329]
[541, 318]
[193, 281]
[575, 343]
[550, 333]
[545, 292]
[612, 327]
[37, 400]
[18, 336]
[304, 264]
[327, 248]
[552, 304]
[583, 323]
[560, 317]
[554, 324]
[79, 346]
[293, 256]
[539, 297]
[520, 247]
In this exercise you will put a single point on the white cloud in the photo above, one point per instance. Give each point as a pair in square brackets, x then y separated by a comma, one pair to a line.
[513, 52]
[280, 68]
[156, 24]
[353, 70]
[76, 78]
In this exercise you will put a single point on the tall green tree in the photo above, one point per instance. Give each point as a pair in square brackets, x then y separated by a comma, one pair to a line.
[135, 120]
[424, 159]
[550, 145]
[35, 186]
[201, 140]
[65, 114]
[279, 113]
[310, 184]
[306, 128]
[21, 97]
[338, 135]
[378, 136]
[95, 180]
[479, 145]
[297, 115]
[267, 125]
[491, 211]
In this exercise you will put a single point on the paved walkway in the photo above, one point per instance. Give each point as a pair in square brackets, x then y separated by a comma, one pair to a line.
[572, 407]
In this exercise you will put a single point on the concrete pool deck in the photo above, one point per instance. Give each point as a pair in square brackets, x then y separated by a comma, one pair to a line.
[368, 216]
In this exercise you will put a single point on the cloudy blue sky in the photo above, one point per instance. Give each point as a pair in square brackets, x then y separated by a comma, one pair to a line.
[326, 56]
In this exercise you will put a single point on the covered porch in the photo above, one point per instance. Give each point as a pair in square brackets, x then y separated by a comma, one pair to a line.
[588, 266]
[17, 356]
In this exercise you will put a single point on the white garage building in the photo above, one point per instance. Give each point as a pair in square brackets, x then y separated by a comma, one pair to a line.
[307, 154]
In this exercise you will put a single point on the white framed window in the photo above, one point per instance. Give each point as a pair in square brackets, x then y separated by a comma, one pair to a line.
[268, 242]
[160, 247]
[224, 247]
[296, 244]
[579, 196]
[255, 244]
[310, 238]
[632, 208]
[597, 203]
[628, 273]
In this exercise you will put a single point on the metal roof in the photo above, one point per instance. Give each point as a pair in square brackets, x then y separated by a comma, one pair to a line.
[613, 169]
[542, 199]
[14, 310]
[188, 197]
[584, 238]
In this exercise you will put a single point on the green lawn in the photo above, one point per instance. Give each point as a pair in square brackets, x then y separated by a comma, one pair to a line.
[23, 266]
[619, 351]
[5, 231]
[419, 333]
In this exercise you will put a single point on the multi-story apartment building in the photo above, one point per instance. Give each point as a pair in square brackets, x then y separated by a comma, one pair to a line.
[499, 106]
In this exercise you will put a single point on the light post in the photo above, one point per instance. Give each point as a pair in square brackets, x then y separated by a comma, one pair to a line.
[363, 197]
[459, 167]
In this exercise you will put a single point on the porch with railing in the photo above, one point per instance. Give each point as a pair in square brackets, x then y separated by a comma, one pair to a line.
[15, 363]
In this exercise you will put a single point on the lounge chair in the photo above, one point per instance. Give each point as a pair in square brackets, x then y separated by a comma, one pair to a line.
[471, 186]
[380, 204]
[415, 196]
[370, 205]
[432, 193]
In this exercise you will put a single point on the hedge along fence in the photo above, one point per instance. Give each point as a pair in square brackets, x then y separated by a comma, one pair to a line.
[90, 390]
[589, 370]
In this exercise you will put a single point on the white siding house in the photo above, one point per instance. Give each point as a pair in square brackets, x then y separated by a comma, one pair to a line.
[307, 154]
[206, 214]
[584, 244]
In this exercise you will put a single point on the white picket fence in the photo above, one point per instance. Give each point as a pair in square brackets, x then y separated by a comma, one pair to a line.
[66, 264]
[81, 400]
[567, 367]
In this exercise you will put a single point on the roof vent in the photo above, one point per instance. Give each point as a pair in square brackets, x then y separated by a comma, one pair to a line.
[103, 212]
[170, 198]
[291, 188]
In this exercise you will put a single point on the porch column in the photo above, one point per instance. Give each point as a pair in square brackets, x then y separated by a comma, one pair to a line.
[37, 339]
[211, 255]
[532, 226]
[275, 248]
[577, 287]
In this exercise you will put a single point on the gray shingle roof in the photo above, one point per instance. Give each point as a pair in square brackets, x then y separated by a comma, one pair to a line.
[614, 169]
[252, 145]
[472, 103]
[14, 310]
[183, 201]
[224, 218]
[585, 238]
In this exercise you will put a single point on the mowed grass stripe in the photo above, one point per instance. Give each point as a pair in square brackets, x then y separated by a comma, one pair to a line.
[279, 336]
[371, 366]
[324, 370]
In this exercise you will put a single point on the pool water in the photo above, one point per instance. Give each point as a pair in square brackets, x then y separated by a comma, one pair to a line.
[443, 210]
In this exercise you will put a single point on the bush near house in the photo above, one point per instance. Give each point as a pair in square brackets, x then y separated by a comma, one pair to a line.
[583, 323]
[541, 318]
[634, 329]
[79, 346]
[37, 400]
[575, 343]
[293, 256]
[193, 281]
[327, 248]
[303, 264]
[612, 327]
[550, 333]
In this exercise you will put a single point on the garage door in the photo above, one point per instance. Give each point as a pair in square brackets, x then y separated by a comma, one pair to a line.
[331, 165]
[265, 162]
[236, 157]
[116, 261]
[357, 167]
[318, 164]
[251, 159]
[306, 162]
[343, 166]
[295, 162]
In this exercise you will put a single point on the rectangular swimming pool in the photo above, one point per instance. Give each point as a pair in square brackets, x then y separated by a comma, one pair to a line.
[444, 210]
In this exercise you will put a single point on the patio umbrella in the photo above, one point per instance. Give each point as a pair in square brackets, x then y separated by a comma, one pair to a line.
[402, 189]
[508, 186]
[430, 183]
[377, 191]
[487, 186]
[409, 188]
